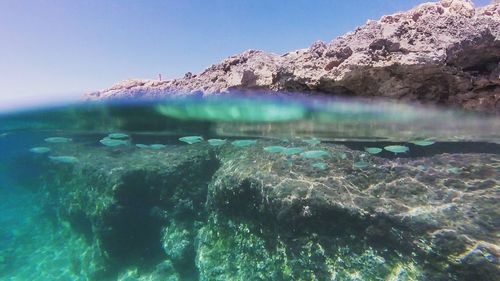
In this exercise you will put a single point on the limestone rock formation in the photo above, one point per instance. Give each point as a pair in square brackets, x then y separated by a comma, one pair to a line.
[441, 53]
[197, 212]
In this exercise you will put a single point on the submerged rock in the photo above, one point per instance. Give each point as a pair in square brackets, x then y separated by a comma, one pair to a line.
[392, 202]
[127, 203]
[244, 214]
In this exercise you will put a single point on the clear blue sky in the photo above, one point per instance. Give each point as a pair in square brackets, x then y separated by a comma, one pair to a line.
[64, 48]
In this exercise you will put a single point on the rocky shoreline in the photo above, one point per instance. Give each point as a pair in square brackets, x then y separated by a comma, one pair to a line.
[445, 53]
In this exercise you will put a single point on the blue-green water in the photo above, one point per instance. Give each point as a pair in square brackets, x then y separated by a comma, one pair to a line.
[249, 189]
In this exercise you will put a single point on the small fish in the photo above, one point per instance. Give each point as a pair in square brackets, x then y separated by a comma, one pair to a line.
[397, 149]
[312, 141]
[157, 146]
[118, 136]
[314, 154]
[360, 165]
[140, 145]
[112, 142]
[243, 143]
[320, 166]
[58, 140]
[40, 150]
[454, 170]
[491, 258]
[191, 139]
[292, 150]
[216, 142]
[3, 135]
[423, 142]
[274, 149]
[421, 168]
[64, 159]
[403, 275]
[373, 150]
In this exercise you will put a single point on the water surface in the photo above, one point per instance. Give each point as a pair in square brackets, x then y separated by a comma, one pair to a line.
[249, 189]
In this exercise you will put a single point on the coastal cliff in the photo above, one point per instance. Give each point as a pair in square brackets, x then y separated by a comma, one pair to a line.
[445, 53]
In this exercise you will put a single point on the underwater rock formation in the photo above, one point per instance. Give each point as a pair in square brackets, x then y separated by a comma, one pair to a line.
[198, 212]
[439, 53]
[128, 201]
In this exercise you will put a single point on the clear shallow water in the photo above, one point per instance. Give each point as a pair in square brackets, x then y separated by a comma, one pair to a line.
[421, 204]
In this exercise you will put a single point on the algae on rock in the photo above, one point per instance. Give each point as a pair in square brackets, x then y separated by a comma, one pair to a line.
[226, 213]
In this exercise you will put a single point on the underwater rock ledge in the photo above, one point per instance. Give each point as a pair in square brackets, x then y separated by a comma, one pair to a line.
[198, 212]
[444, 53]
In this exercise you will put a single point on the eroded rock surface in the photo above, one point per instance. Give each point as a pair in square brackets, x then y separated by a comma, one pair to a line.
[225, 213]
[440, 208]
[440, 53]
[127, 202]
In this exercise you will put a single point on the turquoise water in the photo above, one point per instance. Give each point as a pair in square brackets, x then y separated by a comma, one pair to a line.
[249, 189]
